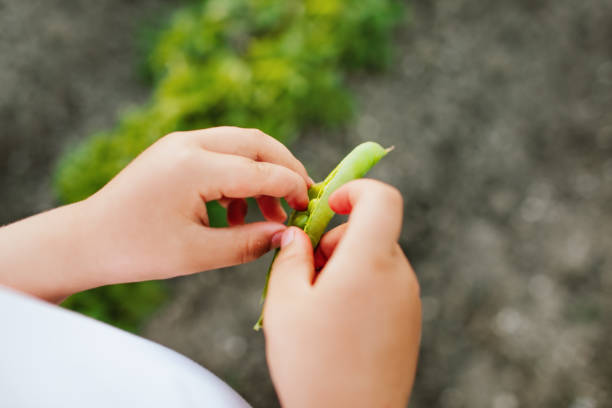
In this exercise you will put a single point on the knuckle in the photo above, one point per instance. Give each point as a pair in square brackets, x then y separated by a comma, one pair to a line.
[410, 278]
[262, 169]
[414, 287]
[184, 158]
[258, 135]
[236, 183]
[383, 260]
[290, 259]
[173, 137]
[176, 134]
[224, 128]
[393, 195]
[390, 195]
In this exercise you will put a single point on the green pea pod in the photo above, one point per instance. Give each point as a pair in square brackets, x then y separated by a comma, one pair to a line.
[318, 215]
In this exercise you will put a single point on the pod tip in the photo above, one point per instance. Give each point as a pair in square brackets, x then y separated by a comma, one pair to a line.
[258, 325]
[389, 149]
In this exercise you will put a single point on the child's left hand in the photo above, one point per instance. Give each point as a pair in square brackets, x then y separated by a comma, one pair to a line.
[150, 221]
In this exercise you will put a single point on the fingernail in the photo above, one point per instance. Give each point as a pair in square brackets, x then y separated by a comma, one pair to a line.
[287, 237]
[275, 242]
[311, 181]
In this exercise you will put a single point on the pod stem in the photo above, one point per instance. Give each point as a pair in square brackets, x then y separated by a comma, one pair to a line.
[264, 293]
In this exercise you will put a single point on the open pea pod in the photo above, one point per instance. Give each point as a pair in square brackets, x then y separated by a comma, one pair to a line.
[318, 215]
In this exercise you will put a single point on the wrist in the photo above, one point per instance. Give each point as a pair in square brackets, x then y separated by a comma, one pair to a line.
[352, 398]
[81, 245]
[46, 254]
[357, 389]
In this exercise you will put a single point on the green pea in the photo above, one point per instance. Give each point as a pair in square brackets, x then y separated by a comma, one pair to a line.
[314, 221]
[314, 190]
[300, 220]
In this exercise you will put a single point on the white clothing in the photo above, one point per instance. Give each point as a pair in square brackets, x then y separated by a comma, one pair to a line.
[52, 357]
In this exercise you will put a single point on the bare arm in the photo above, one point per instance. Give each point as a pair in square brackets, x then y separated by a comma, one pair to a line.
[150, 221]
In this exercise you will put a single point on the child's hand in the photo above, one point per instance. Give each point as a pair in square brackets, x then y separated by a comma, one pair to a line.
[153, 214]
[150, 221]
[350, 339]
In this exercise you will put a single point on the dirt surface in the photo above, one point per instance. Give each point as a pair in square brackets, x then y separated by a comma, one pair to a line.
[500, 115]
[67, 68]
[499, 112]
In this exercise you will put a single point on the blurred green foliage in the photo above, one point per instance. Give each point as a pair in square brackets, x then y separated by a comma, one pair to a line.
[276, 65]
[124, 305]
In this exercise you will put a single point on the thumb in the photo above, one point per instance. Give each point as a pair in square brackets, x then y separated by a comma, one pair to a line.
[294, 264]
[240, 243]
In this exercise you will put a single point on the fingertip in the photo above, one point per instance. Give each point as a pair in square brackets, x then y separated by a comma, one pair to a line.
[339, 201]
[319, 258]
[294, 264]
[236, 212]
[303, 197]
[330, 240]
[300, 203]
[287, 237]
[275, 241]
[295, 234]
[278, 213]
[345, 198]
[282, 215]
[271, 209]
[296, 244]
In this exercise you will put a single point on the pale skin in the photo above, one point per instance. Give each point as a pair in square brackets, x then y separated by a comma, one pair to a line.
[348, 338]
[352, 309]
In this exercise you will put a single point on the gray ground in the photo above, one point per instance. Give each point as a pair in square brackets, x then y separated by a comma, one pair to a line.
[67, 68]
[500, 114]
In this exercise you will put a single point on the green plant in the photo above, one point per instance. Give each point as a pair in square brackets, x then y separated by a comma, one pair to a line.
[318, 215]
[276, 65]
[125, 306]
[271, 64]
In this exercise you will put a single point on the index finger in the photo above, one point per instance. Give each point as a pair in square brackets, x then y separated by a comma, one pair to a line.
[375, 220]
[239, 177]
[251, 143]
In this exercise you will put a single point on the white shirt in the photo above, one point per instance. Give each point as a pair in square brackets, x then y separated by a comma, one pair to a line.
[52, 357]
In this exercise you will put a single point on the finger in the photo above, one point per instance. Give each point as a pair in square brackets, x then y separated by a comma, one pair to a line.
[293, 268]
[375, 219]
[236, 211]
[234, 245]
[251, 143]
[271, 208]
[328, 243]
[237, 177]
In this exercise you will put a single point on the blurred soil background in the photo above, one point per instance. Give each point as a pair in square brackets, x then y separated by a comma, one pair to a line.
[500, 115]
[67, 68]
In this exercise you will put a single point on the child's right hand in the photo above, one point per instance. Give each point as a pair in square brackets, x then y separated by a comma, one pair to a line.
[350, 338]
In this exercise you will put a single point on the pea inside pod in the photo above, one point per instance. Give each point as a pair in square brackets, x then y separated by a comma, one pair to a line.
[318, 215]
